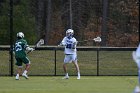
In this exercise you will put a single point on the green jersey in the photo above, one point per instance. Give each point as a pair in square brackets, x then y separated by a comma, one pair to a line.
[20, 48]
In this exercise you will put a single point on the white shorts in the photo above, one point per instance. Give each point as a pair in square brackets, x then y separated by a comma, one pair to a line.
[70, 58]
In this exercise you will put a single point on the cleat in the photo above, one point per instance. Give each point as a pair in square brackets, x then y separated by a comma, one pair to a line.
[66, 77]
[24, 75]
[17, 78]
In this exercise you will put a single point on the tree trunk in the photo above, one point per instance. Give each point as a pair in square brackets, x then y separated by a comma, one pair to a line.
[39, 16]
[48, 22]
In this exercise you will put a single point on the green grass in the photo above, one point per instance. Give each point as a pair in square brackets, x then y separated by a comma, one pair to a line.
[87, 84]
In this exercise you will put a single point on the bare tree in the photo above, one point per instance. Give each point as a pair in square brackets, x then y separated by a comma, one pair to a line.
[39, 17]
[48, 21]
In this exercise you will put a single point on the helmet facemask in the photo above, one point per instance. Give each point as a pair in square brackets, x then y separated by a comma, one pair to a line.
[69, 33]
[20, 35]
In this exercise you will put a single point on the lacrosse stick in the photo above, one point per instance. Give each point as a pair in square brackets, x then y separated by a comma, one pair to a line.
[97, 39]
[38, 44]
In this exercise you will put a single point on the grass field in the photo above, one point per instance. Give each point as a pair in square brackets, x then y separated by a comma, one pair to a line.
[51, 84]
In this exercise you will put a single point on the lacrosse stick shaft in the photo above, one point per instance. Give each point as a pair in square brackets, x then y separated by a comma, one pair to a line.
[97, 39]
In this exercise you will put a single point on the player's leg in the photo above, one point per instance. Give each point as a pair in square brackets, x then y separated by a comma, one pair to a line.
[74, 58]
[27, 67]
[19, 69]
[66, 60]
[65, 71]
[77, 69]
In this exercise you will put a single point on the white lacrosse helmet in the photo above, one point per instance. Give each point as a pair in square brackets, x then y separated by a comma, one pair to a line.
[69, 32]
[20, 34]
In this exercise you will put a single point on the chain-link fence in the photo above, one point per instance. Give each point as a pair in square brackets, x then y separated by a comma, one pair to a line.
[92, 62]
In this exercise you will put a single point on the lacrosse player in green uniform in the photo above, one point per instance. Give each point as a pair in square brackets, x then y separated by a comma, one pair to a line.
[20, 49]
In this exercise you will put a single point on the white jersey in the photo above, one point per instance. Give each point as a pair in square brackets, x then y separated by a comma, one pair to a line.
[70, 45]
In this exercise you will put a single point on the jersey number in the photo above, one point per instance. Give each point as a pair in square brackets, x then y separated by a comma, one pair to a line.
[18, 47]
[69, 46]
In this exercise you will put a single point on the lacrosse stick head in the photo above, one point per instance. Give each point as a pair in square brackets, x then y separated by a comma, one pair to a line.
[40, 42]
[97, 39]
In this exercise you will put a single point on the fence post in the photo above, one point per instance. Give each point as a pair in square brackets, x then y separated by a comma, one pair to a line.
[55, 61]
[97, 61]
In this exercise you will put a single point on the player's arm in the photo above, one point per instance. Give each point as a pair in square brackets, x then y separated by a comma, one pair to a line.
[63, 42]
[74, 43]
[27, 48]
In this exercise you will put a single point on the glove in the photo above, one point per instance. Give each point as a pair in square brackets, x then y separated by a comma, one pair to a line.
[74, 45]
[29, 49]
[62, 44]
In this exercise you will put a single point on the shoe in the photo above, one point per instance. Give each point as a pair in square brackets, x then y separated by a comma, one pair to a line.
[66, 77]
[78, 77]
[17, 78]
[24, 75]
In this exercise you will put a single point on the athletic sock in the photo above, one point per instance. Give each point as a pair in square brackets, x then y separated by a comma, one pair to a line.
[78, 73]
[18, 75]
[66, 74]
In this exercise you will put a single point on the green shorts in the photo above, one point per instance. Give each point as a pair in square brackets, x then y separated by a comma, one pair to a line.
[24, 60]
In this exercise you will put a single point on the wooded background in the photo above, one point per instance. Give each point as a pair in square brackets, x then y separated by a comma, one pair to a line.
[116, 21]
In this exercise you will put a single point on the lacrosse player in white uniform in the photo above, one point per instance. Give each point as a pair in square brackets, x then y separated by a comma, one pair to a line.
[136, 58]
[70, 52]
